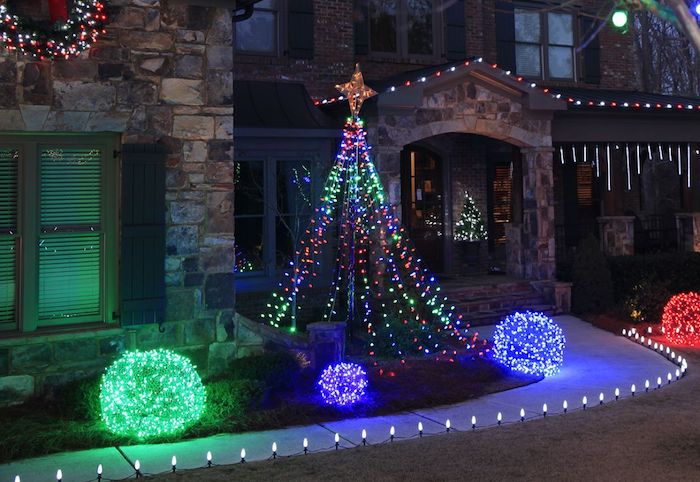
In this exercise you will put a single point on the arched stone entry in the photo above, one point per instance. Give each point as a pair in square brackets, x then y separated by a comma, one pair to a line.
[478, 100]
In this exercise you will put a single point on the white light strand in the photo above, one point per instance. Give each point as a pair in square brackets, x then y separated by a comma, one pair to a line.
[561, 154]
[639, 160]
[573, 151]
[680, 161]
[661, 153]
[649, 150]
[688, 165]
[627, 162]
[597, 162]
[585, 153]
[608, 173]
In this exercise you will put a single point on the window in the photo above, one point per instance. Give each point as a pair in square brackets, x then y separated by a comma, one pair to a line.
[274, 201]
[57, 231]
[259, 33]
[403, 27]
[544, 44]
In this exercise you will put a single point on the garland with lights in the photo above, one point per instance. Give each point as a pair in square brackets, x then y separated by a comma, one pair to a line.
[59, 40]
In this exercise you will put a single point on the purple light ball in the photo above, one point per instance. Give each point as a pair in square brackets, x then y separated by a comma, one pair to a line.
[342, 384]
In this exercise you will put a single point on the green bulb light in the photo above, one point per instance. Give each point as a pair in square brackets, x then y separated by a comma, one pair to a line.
[151, 393]
[620, 18]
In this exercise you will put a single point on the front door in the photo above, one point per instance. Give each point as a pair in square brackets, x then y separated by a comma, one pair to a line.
[422, 198]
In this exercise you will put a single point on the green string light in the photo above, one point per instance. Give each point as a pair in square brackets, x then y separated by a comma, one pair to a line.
[151, 393]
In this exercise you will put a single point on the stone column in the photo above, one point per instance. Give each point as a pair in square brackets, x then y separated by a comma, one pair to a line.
[688, 229]
[616, 235]
[538, 256]
[326, 343]
[514, 250]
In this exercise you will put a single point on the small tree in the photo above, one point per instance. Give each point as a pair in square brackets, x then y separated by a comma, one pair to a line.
[470, 226]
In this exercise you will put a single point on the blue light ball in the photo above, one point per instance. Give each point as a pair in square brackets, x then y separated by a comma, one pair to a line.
[529, 342]
[342, 384]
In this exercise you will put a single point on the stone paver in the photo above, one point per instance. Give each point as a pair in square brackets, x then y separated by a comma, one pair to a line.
[595, 361]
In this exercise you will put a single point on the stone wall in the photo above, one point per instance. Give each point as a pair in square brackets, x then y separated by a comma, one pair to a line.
[616, 235]
[161, 74]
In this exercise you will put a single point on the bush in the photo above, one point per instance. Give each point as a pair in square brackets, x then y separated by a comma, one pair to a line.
[646, 302]
[79, 400]
[229, 399]
[592, 290]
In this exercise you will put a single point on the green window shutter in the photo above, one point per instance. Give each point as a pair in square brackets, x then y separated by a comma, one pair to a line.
[8, 230]
[71, 241]
[143, 234]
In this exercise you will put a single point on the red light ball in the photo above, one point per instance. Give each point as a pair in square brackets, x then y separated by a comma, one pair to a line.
[681, 319]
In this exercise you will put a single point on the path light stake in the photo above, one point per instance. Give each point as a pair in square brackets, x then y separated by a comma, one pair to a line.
[617, 394]
[99, 473]
[306, 446]
[17, 479]
[274, 450]
[137, 467]
[646, 385]
[392, 432]
[447, 425]
[173, 462]
[678, 374]
[499, 417]
[658, 382]
[585, 401]
[624, 332]
[522, 414]
[669, 377]
[364, 437]
[208, 459]
[544, 410]
[634, 389]
[566, 406]
[473, 422]
[337, 441]
[243, 456]
[601, 397]
[59, 475]
[420, 429]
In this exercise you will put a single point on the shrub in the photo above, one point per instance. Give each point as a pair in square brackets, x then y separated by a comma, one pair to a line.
[79, 400]
[151, 393]
[530, 343]
[645, 303]
[229, 399]
[592, 290]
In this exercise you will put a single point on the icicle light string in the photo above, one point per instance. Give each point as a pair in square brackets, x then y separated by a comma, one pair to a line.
[469, 425]
[627, 165]
[608, 171]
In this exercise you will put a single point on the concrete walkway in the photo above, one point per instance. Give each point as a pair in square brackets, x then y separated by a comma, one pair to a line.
[595, 361]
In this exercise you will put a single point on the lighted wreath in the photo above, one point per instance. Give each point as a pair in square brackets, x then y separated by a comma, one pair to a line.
[71, 30]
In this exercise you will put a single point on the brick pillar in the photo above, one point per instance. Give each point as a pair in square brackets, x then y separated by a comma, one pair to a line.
[538, 256]
[688, 228]
[616, 235]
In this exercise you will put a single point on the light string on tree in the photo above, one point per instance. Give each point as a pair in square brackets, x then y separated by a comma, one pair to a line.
[64, 39]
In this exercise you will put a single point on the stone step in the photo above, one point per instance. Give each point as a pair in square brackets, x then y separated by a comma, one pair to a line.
[492, 317]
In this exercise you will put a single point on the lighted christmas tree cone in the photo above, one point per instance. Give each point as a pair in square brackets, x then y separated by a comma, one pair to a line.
[379, 284]
[470, 232]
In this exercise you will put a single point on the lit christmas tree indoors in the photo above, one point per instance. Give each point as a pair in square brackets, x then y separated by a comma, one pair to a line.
[470, 226]
[379, 283]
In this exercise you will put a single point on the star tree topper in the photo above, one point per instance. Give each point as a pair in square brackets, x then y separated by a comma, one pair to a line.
[356, 91]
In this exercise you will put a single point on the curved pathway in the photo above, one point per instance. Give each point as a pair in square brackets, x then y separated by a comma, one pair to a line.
[595, 361]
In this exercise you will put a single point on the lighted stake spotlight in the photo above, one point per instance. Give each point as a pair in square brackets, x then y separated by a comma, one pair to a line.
[658, 382]
[364, 437]
[473, 422]
[669, 377]
[499, 417]
[209, 458]
[544, 410]
[392, 433]
[306, 446]
[646, 385]
[173, 462]
[243, 456]
[634, 389]
[601, 397]
[137, 468]
[420, 429]
[274, 450]
[617, 394]
[565, 405]
[337, 441]
[585, 401]
[447, 425]
[59, 475]
[522, 414]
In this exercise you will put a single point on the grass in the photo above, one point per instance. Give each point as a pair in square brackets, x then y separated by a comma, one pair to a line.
[258, 393]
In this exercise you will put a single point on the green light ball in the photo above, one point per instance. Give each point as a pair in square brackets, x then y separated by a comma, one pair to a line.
[619, 18]
[150, 393]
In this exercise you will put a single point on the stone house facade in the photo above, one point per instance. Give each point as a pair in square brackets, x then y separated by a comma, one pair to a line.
[154, 99]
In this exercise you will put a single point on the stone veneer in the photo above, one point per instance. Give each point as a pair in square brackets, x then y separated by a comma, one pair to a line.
[616, 235]
[161, 74]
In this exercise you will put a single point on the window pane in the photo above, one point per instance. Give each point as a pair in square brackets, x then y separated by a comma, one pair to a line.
[267, 4]
[248, 187]
[527, 26]
[8, 280]
[249, 244]
[8, 189]
[382, 25]
[288, 232]
[294, 187]
[561, 62]
[70, 187]
[560, 29]
[420, 27]
[69, 276]
[527, 60]
[258, 33]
